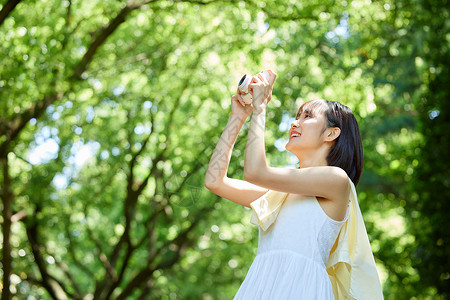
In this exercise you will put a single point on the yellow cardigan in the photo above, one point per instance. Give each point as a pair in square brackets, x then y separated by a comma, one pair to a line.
[351, 265]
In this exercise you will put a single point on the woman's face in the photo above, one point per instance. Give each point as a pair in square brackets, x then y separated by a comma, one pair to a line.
[309, 126]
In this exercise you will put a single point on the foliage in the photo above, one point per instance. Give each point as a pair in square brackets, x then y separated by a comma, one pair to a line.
[110, 110]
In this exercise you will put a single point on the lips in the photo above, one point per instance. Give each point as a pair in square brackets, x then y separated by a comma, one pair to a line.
[294, 132]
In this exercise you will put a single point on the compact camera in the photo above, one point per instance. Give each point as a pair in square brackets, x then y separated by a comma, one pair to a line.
[244, 83]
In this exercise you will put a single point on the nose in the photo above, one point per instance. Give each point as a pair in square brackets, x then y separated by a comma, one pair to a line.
[294, 124]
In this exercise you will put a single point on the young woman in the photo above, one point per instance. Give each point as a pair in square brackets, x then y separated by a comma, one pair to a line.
[292, 255]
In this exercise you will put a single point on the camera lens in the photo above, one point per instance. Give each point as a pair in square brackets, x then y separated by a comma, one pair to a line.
[242, 79]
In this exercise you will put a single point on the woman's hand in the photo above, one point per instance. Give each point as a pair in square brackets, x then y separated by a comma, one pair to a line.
[238, 107]
[262, 89]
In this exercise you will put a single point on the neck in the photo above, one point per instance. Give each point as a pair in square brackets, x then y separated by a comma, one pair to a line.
[315, 159]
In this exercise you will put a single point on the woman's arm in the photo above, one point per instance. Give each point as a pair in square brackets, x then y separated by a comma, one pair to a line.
[218, 165]
[216, 180]
[325, 181]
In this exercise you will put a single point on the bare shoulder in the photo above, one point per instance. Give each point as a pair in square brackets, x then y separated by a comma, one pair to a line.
[337, 181]
[340, 177]
[335, 205]
[329, 184]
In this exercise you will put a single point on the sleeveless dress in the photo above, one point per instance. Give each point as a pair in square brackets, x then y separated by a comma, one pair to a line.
[292, 254]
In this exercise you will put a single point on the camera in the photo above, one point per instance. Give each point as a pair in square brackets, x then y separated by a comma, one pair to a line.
[244, 83]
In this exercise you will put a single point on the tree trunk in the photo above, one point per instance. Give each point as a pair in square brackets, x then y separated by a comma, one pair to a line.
[7, 198]
[7, 9]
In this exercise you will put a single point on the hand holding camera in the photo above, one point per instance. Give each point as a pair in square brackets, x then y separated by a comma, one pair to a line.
[253, 91]
[244, 85]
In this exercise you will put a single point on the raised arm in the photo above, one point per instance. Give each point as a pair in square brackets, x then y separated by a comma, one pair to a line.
[216, 180]
[326, 182]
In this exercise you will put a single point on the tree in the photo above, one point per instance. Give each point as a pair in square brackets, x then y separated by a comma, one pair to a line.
[61, 93]
[431, 194]
[109, 113]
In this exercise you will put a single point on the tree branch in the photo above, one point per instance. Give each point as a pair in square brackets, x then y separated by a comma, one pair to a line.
[141, 277]
[19, 216]
[169, 121]
[12, 129]
[128, 255]
[104, 34]
[54, 287]
[117, 282]
[180, 243]
[129, 208]
[159, 157]
[74, 257]
[7, 9]
[132, 194]
[130, 204]
[146, 291]
[109, 268]
[78, 293]
[7, 199]
[76, 261]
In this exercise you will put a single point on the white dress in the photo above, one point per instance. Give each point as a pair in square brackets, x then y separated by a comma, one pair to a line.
[292, 253]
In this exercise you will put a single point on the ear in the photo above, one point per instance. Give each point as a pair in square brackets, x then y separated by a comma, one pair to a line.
[332, 133]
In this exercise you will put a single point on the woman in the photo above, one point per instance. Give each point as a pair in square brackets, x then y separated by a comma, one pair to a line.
[292, 255]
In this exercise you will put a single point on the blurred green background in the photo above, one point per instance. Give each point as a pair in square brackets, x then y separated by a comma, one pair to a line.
[110, 111]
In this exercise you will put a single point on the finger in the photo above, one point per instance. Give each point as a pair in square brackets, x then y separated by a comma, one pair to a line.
[239, 99]
[273, 77]
[260, 76]
[251, 86]
[263, 78]
[271, 72]
[256, 79]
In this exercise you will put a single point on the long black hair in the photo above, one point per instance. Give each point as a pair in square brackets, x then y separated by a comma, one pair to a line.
[347, 150]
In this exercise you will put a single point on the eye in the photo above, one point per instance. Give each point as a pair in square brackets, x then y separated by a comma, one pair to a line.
[308, 115]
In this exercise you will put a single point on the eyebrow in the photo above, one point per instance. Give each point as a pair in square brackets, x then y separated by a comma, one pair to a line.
[306, 111]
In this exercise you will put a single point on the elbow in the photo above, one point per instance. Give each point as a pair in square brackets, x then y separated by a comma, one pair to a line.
[250, 177]
[258, 176]
[211, 183]
[254, 173]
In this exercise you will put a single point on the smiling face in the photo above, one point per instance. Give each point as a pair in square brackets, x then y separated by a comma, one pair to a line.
[307, 129]
[328, 135]
[309, 135]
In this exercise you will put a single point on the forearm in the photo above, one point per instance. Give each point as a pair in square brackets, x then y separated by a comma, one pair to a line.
[218, 165]
[255, 154]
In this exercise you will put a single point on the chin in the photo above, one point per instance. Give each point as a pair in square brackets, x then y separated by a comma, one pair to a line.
[292, 148]
[289, 148]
